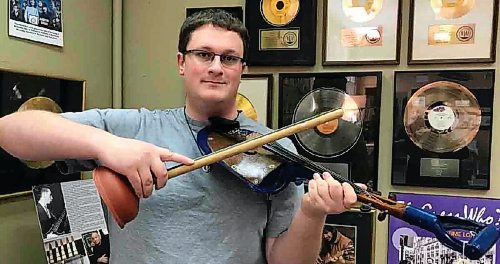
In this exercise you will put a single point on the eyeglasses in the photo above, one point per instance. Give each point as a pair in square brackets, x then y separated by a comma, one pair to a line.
[208, 57]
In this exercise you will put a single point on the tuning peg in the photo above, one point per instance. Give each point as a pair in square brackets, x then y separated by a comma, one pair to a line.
[365, 208]
[382, 216]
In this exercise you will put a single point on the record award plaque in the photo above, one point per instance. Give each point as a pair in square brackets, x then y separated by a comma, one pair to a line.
[23, 92]
[348, 145]
[442, 128]
[282, 32]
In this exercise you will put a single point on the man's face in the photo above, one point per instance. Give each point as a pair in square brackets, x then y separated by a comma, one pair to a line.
[211, 82]
[328, 236]
[96, 239]
[47, 197]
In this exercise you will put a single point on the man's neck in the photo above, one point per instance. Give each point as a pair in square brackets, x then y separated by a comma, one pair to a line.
[203, 114]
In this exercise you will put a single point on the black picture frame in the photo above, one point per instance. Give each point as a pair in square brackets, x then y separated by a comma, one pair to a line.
[415, 160]
[357, 226]
[236, 11]
[360, 162]
[16, 89]
[291, 43]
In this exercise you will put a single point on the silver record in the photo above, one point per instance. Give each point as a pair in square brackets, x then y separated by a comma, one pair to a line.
[333, 138]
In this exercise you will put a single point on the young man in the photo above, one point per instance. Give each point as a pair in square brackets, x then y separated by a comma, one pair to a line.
[205, 216]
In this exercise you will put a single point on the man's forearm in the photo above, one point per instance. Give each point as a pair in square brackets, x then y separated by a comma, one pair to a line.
[39, 135]
[301, 243]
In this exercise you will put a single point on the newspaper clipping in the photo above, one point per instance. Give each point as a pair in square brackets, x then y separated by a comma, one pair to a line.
[36, 20]
[72, 222]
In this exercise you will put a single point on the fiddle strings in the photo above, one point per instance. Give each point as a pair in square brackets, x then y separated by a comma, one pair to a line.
[309, 164]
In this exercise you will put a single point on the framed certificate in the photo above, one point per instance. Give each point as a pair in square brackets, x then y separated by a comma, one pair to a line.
[20, 92]
[256, 97]
[361, 32]
[451, 31]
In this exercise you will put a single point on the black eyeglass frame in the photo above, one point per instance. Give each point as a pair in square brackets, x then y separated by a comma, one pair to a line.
[213, 54]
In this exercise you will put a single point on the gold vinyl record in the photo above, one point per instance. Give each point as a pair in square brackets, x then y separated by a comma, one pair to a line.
[45, 104]
[442, 117]
[332, 138]
[279, 12]
[361, 11]
[244, 104]
[452, 9]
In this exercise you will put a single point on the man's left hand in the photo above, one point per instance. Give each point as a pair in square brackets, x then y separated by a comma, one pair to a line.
[327, 196]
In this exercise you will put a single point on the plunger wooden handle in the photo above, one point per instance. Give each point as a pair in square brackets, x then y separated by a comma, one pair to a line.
[256, 142]
[120, 198]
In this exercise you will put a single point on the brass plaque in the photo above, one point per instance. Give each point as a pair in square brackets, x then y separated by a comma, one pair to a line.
[279, 39]
[451, 34]
[361, 37]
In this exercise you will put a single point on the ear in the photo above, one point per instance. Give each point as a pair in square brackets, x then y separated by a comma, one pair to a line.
[243, 67]
[180, 63]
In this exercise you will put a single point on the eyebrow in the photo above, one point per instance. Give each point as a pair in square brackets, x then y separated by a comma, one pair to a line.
[227, 51]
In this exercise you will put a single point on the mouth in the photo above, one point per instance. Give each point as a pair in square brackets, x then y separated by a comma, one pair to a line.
[214, 82]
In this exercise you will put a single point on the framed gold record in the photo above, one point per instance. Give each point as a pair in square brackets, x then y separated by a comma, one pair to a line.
[361, 11]
[279, 12]
[452, 9]
[24, 92]
[442, 117]
[45, 104]
[282, 32]
[451, 31]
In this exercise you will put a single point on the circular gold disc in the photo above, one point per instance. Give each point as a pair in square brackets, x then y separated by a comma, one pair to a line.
[244, 104]
[442, 117]
[279, 12]
[361, 11]
[452, 9]
[45, 104]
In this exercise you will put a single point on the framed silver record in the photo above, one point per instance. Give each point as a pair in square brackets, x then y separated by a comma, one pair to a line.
[333, 138]
[442, 133]
[349, 145]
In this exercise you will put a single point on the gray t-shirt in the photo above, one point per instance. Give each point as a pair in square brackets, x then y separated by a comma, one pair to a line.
[198, 217]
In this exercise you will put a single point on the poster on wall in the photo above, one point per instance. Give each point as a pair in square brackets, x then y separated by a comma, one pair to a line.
[36, 20]
[410, 244]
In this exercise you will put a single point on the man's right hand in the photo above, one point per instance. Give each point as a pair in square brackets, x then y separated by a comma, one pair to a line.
[139, 161]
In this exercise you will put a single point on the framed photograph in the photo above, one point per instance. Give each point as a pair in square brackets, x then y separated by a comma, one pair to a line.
[361, 32]
[39, 21]
[411, 244]
[282, 33]
[349, 145]
[442, 128]
[255, 97]
[348, 238]
[445, 31]
[20, 92]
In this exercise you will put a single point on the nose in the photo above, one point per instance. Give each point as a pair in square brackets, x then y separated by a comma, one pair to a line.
[215, 66]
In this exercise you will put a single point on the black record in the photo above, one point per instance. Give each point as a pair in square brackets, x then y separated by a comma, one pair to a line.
[333, 138]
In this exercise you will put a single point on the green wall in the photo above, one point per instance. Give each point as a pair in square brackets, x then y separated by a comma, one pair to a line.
[150, 35]
[86, 55]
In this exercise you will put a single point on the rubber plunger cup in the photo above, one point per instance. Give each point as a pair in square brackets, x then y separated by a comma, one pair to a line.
[120, 198]
[117, 194]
